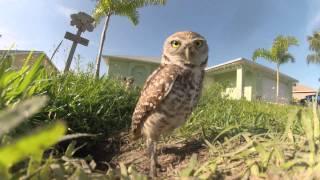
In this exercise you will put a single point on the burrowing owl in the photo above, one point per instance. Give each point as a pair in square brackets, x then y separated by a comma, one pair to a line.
[128, 82]
[171, 91]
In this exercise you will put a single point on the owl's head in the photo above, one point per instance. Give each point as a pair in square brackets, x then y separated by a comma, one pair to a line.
[186, 48]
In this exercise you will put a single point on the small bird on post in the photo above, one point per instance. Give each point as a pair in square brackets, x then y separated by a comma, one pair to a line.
[128, 83]
[171, 91]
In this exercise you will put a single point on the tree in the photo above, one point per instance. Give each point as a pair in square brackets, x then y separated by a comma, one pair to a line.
[108, 8]
[278, 54]
[314, 46]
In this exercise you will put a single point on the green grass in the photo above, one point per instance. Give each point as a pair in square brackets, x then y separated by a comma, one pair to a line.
[16, 85]
[281, 155]
[88, 105]
[17, 106]
[215, 114]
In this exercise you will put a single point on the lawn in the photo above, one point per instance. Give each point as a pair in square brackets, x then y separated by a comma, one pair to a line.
[72, 125]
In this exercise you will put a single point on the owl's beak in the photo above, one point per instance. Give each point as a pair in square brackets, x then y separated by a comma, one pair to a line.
[187, 54]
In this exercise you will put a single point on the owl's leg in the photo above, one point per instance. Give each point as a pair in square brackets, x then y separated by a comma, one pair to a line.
[152, 150]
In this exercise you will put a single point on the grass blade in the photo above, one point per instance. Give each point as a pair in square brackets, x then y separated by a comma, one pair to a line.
[30, 77]
[191, 167]
[315, 118]
[10, 118]
[31, 145]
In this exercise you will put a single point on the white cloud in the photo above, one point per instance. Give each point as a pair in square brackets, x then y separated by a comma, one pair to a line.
[14, 2]
[314, 16]
[11, 39]
[314, 24]
[66, 11]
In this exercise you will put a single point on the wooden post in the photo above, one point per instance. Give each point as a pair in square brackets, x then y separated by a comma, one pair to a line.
[83, 22]
[71, 53]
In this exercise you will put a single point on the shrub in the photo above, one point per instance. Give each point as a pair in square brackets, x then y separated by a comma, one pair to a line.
[89, 105]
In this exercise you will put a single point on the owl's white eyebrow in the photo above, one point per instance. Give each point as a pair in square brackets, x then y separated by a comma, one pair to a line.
[198, 39]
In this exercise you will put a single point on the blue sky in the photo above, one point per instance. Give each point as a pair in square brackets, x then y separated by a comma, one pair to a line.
[233, 28]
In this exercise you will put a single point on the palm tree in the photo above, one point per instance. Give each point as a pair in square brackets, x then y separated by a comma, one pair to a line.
[127, 8]
[314, 57]
[277, 54]
[314, 46]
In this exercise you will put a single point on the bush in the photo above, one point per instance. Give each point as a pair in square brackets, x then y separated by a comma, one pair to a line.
[89, 105]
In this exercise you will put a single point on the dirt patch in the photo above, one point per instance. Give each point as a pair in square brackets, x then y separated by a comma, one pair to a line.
[172, 156]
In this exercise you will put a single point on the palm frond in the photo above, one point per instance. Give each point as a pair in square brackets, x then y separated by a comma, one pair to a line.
[292, 41]
[314, 42]
[262, 53]
[126, 8]
[313, 58]
[132, 15]
[286, 57]
[282, 43]
[314, 46]
[143, 3]
[102, 8]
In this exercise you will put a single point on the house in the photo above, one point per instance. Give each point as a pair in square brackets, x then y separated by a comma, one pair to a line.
[242, 78]
[250, 80]
[301, 91]
[18, 58]
[131, 66]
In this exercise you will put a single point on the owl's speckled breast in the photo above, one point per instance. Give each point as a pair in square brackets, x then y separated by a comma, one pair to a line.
[184, 96]
[178, 105]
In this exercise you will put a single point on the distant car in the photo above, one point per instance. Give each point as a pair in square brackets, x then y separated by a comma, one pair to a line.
[308, 99]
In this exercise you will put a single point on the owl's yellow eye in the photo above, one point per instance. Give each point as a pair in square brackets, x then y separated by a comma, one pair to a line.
[175, 44]
[198, 43]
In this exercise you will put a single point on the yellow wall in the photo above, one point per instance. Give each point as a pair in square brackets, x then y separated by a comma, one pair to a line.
[140, 71]
[229, 80]
[249, 84]
[242, 82]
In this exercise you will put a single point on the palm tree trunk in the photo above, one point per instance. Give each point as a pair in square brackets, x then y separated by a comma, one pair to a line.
[102, 40]
[277, 93]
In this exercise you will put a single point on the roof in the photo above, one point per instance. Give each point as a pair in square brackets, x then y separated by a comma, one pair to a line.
[19, 52]
[154, 60]
[243, 61]
[299, 88]
[27, 52]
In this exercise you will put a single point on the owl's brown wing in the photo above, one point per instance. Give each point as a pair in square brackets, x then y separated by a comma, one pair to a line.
[155, 90]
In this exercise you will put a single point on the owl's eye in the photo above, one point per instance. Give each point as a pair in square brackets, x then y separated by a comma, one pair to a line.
[175, 44]
[198, 43]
